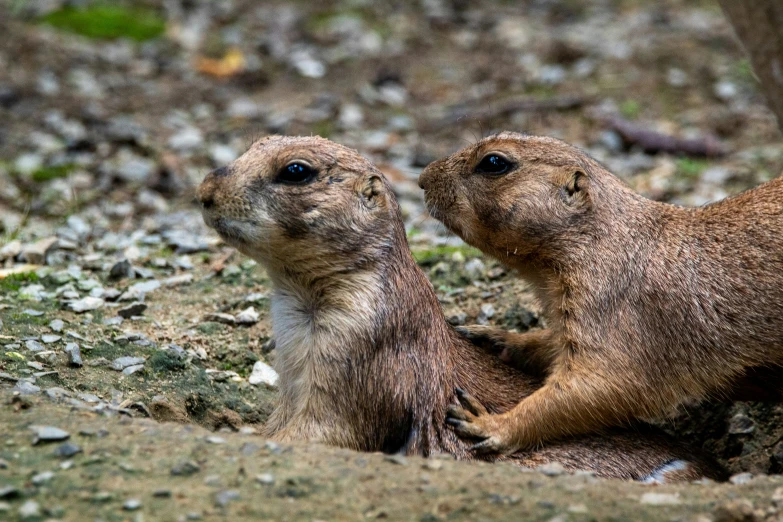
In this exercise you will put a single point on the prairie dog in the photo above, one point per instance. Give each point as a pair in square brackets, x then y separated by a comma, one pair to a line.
[648, 304]
[366, 359]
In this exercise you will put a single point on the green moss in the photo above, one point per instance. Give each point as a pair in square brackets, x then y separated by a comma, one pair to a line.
[14, 282]
[165, 361]
[108, 22]
[630, 109]
[691, 168]
[430, 256]
[210, 328]
[45, 174]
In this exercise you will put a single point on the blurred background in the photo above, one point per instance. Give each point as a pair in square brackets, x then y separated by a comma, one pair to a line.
[113, 111]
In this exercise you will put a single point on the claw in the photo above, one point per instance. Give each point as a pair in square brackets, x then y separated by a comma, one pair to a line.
[455, 412]
[485, 447]
[470, 404]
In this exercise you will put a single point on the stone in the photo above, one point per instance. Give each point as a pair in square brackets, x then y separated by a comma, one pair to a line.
[86, 304]
[218, 317]
[185, 468]
[263, 374]
[32, 313]
[36, 252]
[187, 139]
[34, 346]
[42, 478]
[33, 292]
[551, 469]
[137, 291]
[132, 310]
[74, 355]
[475, 268]
[25, 387]
[267, 479]
[741, 424]
[121, 363]
[247, 317]
[48, 434]
[50, 339]
[741, 478]
[224, 498]
[30, 510]
[66, 450]
[130, 370]
[11, 250]
[121, 269]
[57, 325]
[132, 504]
[660, 499]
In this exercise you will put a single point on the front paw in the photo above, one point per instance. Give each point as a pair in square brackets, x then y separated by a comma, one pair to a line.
[473, 422]
[488, 338]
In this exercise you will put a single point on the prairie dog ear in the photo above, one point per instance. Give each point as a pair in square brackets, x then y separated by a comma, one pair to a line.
[371, 190]
[575, 187]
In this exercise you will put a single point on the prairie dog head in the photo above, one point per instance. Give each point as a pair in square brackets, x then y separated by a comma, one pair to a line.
[301, 206]
[511, 194]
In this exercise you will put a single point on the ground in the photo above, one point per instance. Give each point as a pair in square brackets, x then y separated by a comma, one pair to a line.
[112, 115]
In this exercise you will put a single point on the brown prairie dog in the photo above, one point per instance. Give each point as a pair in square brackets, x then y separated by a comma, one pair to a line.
[647, 304]
[365, 356]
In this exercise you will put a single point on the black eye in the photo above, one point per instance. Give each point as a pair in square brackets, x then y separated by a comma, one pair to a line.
[296, 174]
[493, 164]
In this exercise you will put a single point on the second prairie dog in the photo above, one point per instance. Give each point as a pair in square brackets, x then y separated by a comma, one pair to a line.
[366, 359]
[647, 304]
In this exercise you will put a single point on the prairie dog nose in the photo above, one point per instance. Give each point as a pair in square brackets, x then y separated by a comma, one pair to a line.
[206, 191]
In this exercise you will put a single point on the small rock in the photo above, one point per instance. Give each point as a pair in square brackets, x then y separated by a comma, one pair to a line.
[11, 250]
[161, 493]
[218, 317]
[48, 434]
[178, 280]
[139, 290]
[25, 387]
[49, 339]
[263, 374]
[741, 478]
[214, 439]
[660, 499]
[551, 469]
[457, 319]
[30, 510]
[131, 310]
[266, 479]
[247, 316]
[42, 478]
[32, 313]
[224, 498]
[130, 370]
[121, 269]
[741, 424]
[74, 355]
[487, 310]
[121, 363]
[34, 346]
[396, 459]
[86, 304]
[57, 325]
[36, 253]
[67, 450]
[187, 139]
[475, 268]
[185, 468]
[132, 504]
[9, 492]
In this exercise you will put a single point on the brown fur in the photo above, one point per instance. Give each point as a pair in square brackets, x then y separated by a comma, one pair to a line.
[366, 358]
[647, 304]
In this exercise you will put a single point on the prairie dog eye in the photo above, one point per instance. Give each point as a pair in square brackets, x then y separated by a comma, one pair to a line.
[296, 173]
[493, 164]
